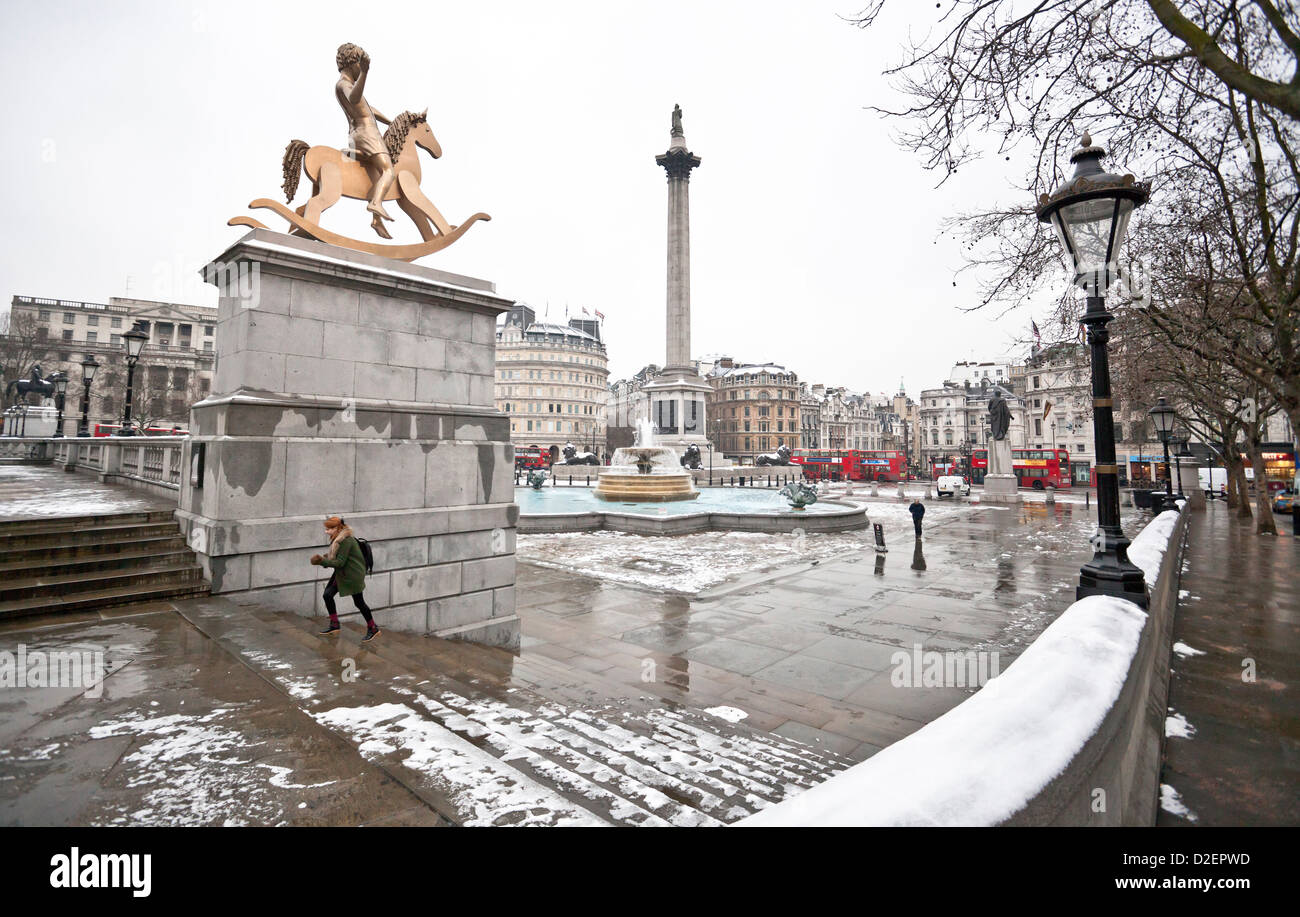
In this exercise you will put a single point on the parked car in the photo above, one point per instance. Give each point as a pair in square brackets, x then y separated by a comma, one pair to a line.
[1284, 502]
[950, 485]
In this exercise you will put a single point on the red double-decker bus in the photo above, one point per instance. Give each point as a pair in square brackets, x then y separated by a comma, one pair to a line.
[1036, 468]
[852, 464]
[531, 457]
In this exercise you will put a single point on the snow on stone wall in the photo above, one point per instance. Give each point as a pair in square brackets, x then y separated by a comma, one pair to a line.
[985, 759]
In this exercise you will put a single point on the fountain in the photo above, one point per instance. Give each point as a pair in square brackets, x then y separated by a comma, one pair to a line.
[645, 472]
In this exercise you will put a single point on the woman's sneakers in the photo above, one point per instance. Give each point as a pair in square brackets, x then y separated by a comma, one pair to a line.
[371, 633]
[330, 631]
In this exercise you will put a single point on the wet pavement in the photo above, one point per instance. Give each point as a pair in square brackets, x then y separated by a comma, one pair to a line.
[1232, 752]
[177, 731]
[45, 491]
[806, 650]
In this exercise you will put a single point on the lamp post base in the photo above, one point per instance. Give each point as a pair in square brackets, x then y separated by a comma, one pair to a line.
[1110, 574]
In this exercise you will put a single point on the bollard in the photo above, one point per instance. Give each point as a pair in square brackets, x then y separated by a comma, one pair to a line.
[588, 480]
[552, 480]
[1087, 499]
[1051, 496]
[742, 480]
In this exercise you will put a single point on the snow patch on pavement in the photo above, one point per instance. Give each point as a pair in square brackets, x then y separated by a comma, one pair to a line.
[1184, 651]
[1176, 725]
[1172, 803]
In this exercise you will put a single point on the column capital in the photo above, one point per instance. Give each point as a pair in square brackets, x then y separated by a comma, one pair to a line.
[678, 163]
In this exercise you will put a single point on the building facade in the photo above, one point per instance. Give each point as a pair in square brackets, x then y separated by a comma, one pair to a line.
[954, 422]
[174, 371]
[753, 408]
[552, 381]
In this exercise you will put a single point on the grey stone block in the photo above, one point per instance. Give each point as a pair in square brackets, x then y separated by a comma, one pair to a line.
[278, 568]
[378, 589]
[503, 633]
[268, 332]
[229, 574]
[476, 359]
[460, 546]
[320, 478]
[389, 476]
[503, 601]
[299, 598]
[400, 553]
[483, 330]
[451, 475]
[327, 301]
[482, 391]
[442, 387]
[411, 619]
[459, 610]
[318, 376]
[396, 383]
[354, 343]
[425, 583]
[488, 573]
[416, 350]
[264, 372]
[250, 478]
[389, 313]
[446, 323]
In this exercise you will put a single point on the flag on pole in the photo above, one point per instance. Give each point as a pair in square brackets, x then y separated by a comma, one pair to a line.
[584, 311]
[1047, 409]
[600, 315]
[1037, 337]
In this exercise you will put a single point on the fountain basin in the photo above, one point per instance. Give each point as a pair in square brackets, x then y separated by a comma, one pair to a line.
[579, 509]
[640, 474]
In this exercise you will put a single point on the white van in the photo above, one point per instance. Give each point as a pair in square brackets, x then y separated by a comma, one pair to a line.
[950, 485]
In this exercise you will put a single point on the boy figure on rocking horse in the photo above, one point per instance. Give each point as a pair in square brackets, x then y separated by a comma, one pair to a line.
[363, 133]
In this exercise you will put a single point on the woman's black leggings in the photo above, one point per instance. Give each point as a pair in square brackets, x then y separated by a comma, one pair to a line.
[358, 600]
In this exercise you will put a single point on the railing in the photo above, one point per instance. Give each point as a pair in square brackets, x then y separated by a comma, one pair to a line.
[154, 461]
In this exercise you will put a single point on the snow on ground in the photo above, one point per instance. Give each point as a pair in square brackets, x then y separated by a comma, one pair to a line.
[1148, 548]
[487, 791]
[730, 714]
[196, 770]
[983, 761]
[1183, 650]
[1172, 803]
[1176, 725]
[690, 564]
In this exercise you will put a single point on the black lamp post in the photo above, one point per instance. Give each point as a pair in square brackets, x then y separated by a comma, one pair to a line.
[60, 390]
[1162, 416]
[134, 341]
[1182, 453]
[88, 367]
[1090, 214]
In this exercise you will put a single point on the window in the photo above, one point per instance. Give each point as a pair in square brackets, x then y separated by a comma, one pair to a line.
[207, 330]
[92, 320]
[91, 337]
[1038, 427]
[116, 323]
[69, 318]
[44, 315]
[67, 334]
[1035, 381]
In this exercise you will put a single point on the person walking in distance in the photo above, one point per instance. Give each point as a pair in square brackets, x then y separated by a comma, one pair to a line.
[917, 510]
[349, 577]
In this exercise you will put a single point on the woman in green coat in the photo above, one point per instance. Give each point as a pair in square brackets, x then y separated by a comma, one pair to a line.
[349, 577]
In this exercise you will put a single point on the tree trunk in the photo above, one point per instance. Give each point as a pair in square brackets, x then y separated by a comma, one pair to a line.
[1264, 524]
[1237, 478]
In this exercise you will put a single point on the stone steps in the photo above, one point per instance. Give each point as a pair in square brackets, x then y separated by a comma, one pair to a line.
[83, 563]
[589, 751]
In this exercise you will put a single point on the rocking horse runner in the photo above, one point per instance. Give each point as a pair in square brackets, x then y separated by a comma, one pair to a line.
[374, 169]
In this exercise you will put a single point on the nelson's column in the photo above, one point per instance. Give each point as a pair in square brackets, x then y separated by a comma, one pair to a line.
[677, 395]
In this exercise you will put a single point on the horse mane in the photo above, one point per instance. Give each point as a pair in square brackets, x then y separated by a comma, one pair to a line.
[398, 129]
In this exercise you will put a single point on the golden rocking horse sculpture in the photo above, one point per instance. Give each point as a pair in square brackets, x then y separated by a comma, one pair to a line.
[338, 173]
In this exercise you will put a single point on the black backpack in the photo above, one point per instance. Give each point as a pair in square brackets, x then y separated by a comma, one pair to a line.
[367, 554]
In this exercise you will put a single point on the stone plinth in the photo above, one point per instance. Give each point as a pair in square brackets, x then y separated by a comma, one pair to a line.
[1001, 488]
[354, 385]
[1189, 482]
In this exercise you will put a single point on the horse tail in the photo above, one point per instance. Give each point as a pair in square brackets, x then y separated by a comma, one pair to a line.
[293, 156]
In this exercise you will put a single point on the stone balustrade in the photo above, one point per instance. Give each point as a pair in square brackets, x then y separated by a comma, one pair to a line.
[151, 463]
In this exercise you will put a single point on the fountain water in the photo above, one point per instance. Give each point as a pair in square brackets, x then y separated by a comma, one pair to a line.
[645, 472]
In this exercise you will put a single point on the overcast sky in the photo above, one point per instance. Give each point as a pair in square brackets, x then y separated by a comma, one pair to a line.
[135, 130]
